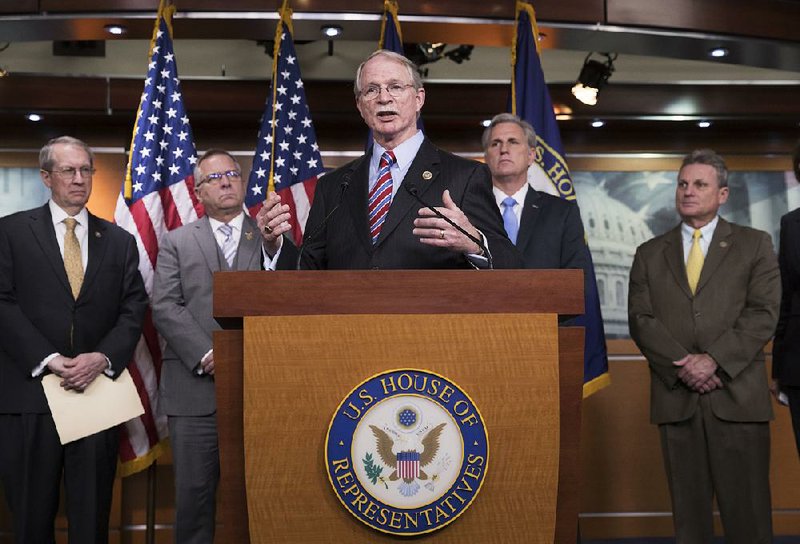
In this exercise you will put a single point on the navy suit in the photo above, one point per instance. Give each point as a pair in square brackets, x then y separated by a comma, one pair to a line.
[38, 316]
[786, 346]
[344, 242]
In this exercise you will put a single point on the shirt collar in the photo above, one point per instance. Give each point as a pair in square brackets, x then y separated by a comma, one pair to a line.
[706, 230]
[236, 223]
[519, 196]
[404, 153]
[58, 214]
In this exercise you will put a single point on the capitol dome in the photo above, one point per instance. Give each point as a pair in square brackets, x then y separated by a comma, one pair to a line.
[614, 231]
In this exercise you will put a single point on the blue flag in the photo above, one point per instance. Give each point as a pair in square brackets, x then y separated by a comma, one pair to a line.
[530, 100]
[391, 39]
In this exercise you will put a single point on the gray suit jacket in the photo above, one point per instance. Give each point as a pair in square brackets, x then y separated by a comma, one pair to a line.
[182, 307]
[730, 317]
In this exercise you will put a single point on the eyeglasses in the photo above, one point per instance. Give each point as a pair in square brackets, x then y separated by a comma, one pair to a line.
[216, 177]
[70, 171]
[395, 90]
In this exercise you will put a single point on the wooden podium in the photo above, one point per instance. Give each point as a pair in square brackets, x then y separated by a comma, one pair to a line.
[296, 343]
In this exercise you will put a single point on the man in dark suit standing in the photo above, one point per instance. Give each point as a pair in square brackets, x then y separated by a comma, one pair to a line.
[226, 238]
[71, 303]
[365, 214]
[546, 229]
[786, 347]
[702, 304]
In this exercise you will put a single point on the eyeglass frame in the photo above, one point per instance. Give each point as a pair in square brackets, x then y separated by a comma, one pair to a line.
[216, 177]
[379, 88]
[84, 171]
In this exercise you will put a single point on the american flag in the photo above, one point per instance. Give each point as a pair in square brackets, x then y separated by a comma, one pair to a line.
[408, 464]
[287, 158]
[157, 196]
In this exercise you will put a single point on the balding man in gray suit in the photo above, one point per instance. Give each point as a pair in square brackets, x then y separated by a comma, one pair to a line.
[225, 239]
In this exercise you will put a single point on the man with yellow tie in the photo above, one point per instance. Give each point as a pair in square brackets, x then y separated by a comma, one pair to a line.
[72, 303]
[703, 302]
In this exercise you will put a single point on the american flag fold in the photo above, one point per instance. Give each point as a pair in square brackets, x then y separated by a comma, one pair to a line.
[157, 196]
[287, 158]
[530, 100]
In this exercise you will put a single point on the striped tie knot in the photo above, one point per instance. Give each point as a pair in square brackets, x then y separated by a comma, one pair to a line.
[380, 196]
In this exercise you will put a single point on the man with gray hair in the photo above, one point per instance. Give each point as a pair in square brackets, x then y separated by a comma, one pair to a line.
[367, 214]
[226, 238]
[703, 302]
[547, 230]
[72, 303]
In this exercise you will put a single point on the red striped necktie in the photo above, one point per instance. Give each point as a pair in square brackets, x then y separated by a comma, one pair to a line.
[380, 196]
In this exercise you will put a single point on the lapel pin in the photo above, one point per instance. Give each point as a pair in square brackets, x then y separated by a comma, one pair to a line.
[427, 175]
[97, 234]
[723, 244]
[248, 234]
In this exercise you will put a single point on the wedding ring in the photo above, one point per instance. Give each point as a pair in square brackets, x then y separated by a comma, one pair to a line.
[441, 234]
[267, 229]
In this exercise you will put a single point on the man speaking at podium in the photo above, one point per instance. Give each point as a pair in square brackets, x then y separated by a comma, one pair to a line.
[373, 212]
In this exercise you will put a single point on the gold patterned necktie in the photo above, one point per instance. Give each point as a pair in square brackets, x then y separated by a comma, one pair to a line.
[694, 264]
[73, 263]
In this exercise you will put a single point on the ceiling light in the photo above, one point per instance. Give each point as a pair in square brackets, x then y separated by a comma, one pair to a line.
[332, 31]
[718, 52]
[704, 124]
[35, 117]
[116, 30]
[593, 77]
[486, 122]
[597, 123]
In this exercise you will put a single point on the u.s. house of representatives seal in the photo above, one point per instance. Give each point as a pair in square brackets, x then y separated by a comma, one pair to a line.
[407, 452]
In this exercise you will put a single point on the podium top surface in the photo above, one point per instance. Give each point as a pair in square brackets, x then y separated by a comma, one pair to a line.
[239, 294]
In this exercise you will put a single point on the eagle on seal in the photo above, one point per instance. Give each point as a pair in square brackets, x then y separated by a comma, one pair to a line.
[430, 445]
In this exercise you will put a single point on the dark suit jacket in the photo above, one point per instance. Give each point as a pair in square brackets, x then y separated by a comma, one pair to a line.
[730, 317]
[38, 315]
[786, 347]
[551, 233]
[188, 257]
[344, 242]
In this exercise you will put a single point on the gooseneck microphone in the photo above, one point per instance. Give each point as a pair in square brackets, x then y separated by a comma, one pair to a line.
[414, 192]
[345, 183]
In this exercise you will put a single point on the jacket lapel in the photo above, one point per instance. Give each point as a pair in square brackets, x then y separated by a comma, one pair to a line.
[530, 214]
[717, 251]
[673, 254]
[41, 224]
[356, 198]
[249, 245]
[423, 175]
[207, 242]
[97, 250]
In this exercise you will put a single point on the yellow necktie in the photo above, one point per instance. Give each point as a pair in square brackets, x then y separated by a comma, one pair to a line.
[694, 264]
[73, 263]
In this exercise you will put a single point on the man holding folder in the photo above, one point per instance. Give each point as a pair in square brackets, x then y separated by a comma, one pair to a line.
[71, 304]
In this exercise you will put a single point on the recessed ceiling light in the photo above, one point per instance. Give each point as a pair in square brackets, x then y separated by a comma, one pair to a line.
[35, 117]
[719, 52]
[597, 123]
[486, 122]
[332, 31]
[704, 124]
[116, 30]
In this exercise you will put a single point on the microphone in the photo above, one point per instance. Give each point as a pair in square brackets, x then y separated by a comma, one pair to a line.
[345, 183]
[414, 192]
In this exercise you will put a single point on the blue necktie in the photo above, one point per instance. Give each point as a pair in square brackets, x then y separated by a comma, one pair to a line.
[510, 219]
